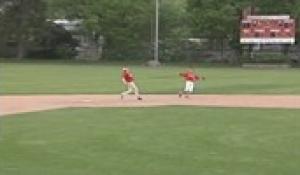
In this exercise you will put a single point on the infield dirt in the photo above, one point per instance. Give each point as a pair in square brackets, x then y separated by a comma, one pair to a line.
[21, 104]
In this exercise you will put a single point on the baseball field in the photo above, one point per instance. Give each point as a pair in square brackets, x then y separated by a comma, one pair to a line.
[58, 78]
[184, 136]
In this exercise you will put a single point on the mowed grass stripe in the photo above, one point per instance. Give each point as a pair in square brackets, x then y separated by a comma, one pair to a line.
[152, 141]
[33, 78]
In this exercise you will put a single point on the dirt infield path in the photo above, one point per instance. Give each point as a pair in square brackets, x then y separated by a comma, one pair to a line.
[21, 104]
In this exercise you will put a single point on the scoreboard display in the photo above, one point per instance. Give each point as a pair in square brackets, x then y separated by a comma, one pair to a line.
[267, 30]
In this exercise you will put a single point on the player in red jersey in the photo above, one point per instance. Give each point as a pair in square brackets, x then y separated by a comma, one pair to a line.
[128, 80]
[190, 79]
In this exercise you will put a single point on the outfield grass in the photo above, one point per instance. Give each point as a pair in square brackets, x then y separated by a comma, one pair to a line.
[151, 141]
[47, 78]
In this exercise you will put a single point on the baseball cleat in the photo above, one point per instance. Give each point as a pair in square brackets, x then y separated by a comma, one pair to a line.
[139, 98]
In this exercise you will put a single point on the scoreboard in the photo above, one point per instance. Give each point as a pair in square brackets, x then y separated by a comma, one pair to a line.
[267, 30]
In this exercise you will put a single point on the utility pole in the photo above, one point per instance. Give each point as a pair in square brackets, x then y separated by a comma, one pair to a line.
[156, 49]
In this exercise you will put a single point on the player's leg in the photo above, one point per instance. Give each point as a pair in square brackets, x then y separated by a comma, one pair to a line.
[185, 90]
[182, 92]
[189, 88]
[136, 91]
[129, 90]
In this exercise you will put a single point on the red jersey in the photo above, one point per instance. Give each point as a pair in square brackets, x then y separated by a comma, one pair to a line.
[128, 77]
[189, 76]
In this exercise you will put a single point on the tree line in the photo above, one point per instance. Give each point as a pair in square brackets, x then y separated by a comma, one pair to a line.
[127, 26]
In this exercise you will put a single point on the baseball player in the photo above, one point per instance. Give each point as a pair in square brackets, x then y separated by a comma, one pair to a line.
[190, 79]
[128, 81]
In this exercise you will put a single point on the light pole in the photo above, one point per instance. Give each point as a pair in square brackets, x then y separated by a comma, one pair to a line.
[156, 49]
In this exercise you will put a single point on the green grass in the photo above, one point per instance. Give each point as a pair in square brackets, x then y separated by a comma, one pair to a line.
[151, 141]
[47, 78]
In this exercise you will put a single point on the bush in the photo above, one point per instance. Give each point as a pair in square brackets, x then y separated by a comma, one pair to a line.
[54, 42]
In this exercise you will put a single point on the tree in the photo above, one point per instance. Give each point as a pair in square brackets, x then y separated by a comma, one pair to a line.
[21, 21]
[54, 42]
[220, 19]
[128, 25]
[125, 25]
[213, 19]
[174, 29]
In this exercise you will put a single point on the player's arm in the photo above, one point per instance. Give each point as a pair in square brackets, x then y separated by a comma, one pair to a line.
[202, 77]
[199, 77]
[124, 81]
[182, 74]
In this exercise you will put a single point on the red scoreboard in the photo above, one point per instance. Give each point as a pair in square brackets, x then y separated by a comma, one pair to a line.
[267, 30]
